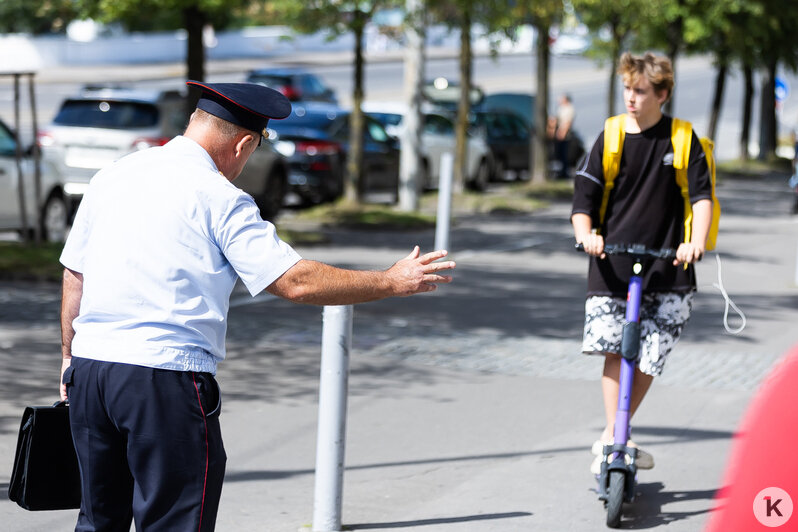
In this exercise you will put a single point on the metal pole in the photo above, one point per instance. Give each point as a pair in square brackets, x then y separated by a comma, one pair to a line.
[37, 175]
[18, 156]
[331, 438]
[444, 202]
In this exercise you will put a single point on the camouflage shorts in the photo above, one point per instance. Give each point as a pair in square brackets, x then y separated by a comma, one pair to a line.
[662, 317]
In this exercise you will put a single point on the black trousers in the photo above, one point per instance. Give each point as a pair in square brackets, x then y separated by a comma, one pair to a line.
[149, 447]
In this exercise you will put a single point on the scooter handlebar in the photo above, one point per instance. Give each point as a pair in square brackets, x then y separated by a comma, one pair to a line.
[634, 250]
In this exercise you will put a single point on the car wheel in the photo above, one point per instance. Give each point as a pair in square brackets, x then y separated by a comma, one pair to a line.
[499, 170]
[423, 177]
[54, 221]
[271, 199]
[481, 178]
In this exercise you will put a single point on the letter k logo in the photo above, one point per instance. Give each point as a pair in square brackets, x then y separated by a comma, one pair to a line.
[772, 506]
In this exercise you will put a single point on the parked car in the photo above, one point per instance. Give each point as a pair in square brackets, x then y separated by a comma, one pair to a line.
[508, 138]
[102, 124]
[523, 104]
[296, 84]
[437, 138]
[50, 211]
[520, 103]
[315, 140]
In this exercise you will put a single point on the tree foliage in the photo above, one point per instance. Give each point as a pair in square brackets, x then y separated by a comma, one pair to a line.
[41, 17]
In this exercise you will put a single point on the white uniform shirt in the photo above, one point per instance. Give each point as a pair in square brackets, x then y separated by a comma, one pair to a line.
[160, 238]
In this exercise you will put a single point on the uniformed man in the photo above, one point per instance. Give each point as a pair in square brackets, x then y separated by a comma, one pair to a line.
[157, 245]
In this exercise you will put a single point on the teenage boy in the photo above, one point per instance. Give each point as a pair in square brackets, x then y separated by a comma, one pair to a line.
[646, 207]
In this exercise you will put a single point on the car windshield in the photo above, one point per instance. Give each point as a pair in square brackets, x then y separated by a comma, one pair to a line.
[300, 117]
[107, 114]
[7, 144]
[269, 80]
[387, 119]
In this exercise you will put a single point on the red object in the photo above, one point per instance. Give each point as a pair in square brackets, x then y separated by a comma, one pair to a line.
[760, 485]
[317, 147]
[290, 92]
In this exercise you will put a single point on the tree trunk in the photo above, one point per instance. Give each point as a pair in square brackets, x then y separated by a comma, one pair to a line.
[540, 154]
[767, 114]
[410, 163]
[194, 21]
[355, 186]
[748, 101]
[674, 36]
[717, 99]
[617, 41]
[464, 106]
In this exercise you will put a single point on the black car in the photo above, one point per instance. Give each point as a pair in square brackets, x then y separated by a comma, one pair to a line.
[523, 105]
[296, 84]
[508, 137]
[315, 140]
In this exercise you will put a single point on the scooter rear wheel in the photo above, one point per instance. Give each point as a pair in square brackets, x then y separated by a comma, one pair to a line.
[615, 498]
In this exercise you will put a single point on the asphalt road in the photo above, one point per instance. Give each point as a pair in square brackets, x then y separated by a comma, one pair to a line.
[470, 410]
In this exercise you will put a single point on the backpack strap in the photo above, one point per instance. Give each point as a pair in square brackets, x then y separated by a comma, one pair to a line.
[712, 235]
[614, 134]
[681, 137]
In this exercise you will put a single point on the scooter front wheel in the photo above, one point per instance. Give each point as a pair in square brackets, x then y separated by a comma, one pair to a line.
[615, 498]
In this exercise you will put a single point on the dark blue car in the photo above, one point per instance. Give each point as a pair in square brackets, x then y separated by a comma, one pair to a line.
[315, 140]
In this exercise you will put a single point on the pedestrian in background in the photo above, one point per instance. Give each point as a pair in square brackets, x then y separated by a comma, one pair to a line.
[158, 243]
[563, 132]
[645, 207]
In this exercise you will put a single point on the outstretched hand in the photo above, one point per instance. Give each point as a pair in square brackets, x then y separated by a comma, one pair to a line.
[418, 273]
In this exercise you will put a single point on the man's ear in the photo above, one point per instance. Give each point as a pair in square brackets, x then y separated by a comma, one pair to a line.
[243, 143]
[663, 96]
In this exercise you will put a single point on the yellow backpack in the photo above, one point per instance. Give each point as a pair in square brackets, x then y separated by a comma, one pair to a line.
[681, 136]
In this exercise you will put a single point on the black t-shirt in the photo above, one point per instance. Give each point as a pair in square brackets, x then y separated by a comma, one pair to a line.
[645, 207]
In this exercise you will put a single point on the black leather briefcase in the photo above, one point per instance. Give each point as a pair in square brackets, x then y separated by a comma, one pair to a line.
[45, 474]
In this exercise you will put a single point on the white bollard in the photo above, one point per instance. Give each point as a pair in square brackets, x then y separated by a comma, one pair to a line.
[331, 437]
[444, 201]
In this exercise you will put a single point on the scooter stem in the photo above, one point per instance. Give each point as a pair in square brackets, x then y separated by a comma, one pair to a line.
[626, 378]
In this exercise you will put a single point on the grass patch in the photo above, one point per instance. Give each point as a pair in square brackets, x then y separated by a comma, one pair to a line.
[753, 167]
[516, 198]
[351, 215]
[21, 261]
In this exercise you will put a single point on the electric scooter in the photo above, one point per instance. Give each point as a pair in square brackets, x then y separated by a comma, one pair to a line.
[618, 478]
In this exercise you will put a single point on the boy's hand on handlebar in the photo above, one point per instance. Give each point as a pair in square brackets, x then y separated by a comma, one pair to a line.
[594, 245]
[688, 253]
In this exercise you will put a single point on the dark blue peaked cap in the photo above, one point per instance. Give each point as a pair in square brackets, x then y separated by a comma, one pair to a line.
[248, 105]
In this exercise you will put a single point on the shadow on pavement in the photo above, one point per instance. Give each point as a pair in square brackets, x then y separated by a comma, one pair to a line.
[669, 435]
[647, 509]
[437, 521]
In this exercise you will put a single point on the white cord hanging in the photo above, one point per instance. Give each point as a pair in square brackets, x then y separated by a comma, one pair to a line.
[729, 303]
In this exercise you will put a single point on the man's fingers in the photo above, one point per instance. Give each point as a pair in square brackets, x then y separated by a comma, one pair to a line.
[440, 266]
[435, 278]
[414, 254]
[432, 256]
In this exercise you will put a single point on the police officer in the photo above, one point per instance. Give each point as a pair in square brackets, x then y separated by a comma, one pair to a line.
[158, 242]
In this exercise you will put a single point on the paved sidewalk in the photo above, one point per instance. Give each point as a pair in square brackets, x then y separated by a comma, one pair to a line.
[470, 409]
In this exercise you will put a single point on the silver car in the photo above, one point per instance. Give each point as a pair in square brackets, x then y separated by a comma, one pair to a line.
[49, 212]
[437, 138]
[102, 124]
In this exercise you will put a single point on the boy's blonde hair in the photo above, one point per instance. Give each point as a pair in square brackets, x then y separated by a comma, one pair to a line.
[656, 68]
